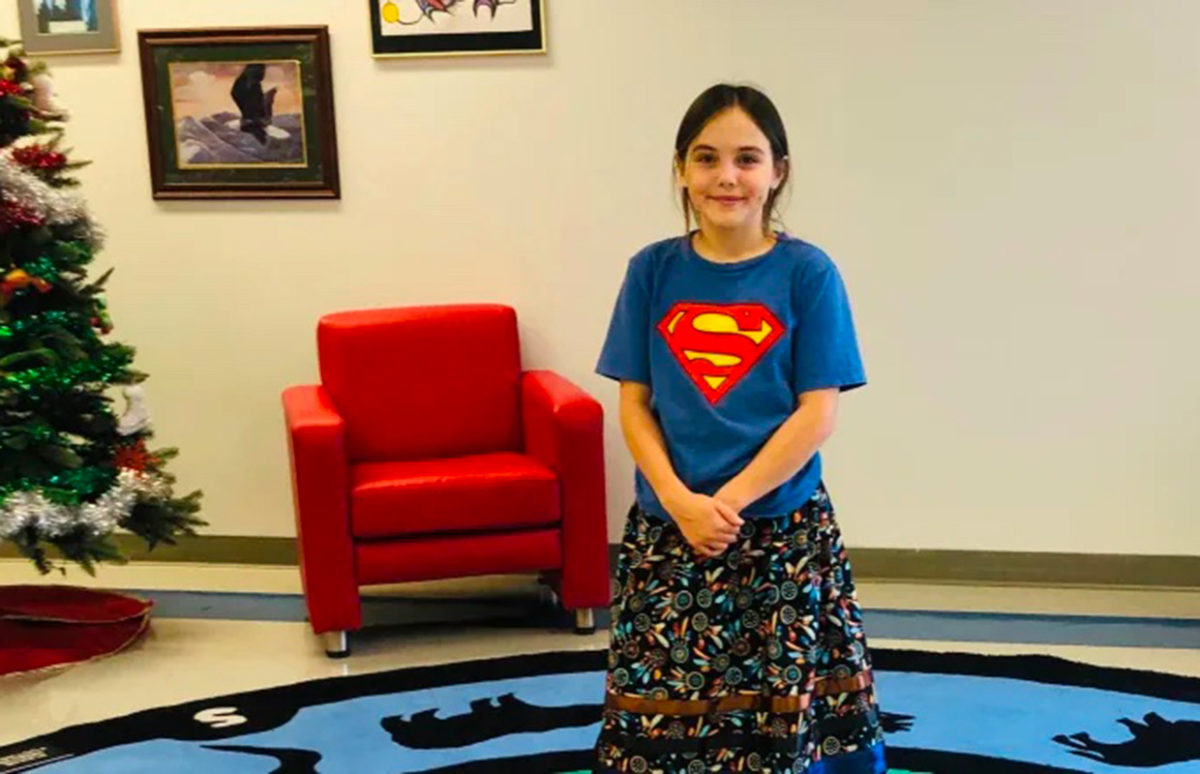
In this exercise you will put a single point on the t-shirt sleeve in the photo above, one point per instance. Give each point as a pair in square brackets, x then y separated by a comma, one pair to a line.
[625, 355]
[825, 348]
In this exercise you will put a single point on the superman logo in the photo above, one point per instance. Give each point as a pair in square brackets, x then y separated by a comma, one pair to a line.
[718, 344]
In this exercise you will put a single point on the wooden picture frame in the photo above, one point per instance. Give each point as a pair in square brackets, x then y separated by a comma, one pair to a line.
[240, 113]
[69, 26]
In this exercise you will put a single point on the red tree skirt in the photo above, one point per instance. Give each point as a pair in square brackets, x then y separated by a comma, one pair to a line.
[42, 627]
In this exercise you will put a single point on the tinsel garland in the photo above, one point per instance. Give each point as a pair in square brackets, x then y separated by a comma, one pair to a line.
[30, 509]
[66, 486]
[53, 206]
[43, 268]
[36, 322]
[104, 366]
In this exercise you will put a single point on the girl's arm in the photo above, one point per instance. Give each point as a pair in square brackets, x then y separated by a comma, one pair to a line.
[708, 524]
[786, 451]
[644, 438]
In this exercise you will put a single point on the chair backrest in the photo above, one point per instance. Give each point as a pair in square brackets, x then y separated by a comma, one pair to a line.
[424, 382]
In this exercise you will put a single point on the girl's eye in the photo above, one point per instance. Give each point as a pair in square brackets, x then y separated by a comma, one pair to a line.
[705, 158]
[748, 160]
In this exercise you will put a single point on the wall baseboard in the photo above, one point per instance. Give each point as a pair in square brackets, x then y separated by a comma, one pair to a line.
[873, 564]
[211, 549]
[1018, 568]
[1022, 568]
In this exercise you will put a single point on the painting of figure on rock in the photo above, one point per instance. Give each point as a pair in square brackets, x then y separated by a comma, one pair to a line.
[230, 114]
[239, 113]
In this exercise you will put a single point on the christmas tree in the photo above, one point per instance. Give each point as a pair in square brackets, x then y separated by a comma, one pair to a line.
[71, 471]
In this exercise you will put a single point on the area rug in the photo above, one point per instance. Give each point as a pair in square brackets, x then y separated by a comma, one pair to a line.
[944, 713]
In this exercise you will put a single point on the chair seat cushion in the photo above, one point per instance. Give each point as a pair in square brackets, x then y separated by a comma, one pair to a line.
[502, 490]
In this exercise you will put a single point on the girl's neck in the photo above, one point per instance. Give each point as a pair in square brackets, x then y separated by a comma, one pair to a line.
[728, 246]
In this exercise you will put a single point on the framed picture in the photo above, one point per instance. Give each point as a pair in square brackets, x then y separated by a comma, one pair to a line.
[69, 26]
[401, 28]
[235, 113]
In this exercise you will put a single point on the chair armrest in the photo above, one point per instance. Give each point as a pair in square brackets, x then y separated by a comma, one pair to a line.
[555, 416]
[320, 491]
[563, 429]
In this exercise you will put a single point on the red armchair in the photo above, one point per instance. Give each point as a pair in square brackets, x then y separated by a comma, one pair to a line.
[426, 452]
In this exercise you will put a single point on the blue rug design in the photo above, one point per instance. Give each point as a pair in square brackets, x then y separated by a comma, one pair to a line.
[944, 713]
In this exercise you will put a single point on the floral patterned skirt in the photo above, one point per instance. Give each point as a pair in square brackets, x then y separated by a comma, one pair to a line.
[751, 661]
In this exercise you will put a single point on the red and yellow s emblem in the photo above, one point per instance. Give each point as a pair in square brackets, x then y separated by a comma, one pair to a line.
[718, 344]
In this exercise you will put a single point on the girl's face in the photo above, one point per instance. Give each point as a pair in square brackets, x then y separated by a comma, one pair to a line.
[729, 172]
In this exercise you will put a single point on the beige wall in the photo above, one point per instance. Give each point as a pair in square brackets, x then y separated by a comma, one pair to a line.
[1009, 188]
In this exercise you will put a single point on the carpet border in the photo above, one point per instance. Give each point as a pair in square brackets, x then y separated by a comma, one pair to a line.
[88, 737]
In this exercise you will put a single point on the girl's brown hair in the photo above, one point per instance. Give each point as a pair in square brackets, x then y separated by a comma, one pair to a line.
[761, 110]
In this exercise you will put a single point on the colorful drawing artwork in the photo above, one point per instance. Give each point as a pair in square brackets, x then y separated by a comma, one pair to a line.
[427, 8]
[448, 27]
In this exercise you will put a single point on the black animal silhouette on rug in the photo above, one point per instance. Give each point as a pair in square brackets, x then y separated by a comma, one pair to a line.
[424, 731]
[893, 722]
[1155, 742]
[291, 761]
[510, 715]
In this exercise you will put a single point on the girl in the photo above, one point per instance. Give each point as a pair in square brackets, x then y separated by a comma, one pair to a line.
[737, 642]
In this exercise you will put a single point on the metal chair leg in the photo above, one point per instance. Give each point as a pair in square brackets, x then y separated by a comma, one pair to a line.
[335, 644]
[585, 621]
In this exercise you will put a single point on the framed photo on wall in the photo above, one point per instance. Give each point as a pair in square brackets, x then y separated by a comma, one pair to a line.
[412, 28]
[69, 26]
[239, 113]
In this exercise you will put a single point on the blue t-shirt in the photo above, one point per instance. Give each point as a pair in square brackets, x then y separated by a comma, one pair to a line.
[726, 348]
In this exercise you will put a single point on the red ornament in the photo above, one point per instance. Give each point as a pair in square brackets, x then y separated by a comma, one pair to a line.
[8, 87]
[38, 157]
[14, 215]
[134, 457]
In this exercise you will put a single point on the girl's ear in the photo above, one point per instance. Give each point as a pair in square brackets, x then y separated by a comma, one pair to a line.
[781, 170]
